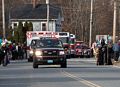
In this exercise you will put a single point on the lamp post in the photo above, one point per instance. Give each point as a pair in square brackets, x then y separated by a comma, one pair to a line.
[47, 2]
[91, 21]
[3, 18]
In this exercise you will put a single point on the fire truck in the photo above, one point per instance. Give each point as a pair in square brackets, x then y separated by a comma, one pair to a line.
[72, 45]
[65, 37]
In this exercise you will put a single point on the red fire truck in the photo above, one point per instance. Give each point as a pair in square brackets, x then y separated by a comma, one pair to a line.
[72, 45]
[64, 37]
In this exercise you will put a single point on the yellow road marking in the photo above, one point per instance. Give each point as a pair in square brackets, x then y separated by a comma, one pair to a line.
[88, 83]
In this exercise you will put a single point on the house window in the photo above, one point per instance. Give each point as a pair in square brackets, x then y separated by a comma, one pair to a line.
[15, 24]
[43, 26]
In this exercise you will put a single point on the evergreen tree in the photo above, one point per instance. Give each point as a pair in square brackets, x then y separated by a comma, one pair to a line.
[25, 29]
[30, 26]
[26, 26]
[20, 32]
[15, 35]
[10, 32]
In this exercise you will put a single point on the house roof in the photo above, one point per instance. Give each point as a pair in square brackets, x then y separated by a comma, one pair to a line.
[27, 11]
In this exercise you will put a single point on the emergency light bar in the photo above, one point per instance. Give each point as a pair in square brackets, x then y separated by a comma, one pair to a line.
[31, 34]
[63, 34]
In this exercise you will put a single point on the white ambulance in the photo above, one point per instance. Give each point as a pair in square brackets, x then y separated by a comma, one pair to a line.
[34, 35]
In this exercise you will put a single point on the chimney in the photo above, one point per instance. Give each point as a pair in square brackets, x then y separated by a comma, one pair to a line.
[34, 2]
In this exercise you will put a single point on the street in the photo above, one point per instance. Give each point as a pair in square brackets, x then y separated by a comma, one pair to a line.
[81, 72]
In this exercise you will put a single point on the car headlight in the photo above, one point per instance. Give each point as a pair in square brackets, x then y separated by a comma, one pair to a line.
[72, 50]
[38, 53]
[61, 53]
[31, 52]
[85, 51]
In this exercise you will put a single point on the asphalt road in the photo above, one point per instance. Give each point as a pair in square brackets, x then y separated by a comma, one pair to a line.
[79, 73]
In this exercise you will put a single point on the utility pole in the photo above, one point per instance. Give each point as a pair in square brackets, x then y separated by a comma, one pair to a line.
[91, 22]
[47, 2]
[114, 22]
[3, 17]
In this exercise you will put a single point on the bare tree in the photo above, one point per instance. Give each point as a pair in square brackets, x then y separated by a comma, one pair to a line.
[76, 15]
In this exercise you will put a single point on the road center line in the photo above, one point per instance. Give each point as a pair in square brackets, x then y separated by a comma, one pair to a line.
[88, 83]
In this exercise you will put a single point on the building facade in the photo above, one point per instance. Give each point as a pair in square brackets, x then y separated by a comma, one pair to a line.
[38, 16]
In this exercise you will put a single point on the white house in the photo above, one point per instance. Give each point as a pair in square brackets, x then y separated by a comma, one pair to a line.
[37, 14]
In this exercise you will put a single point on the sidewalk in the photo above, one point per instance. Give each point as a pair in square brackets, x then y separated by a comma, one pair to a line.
[116, 63]
[92, 60]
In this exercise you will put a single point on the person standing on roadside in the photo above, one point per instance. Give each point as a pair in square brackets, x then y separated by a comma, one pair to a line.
[4, 50]
[93, 48]
[98, 54]
[0, 41]
[20, 51]
[116, 49]
[109, 53]
[103, 53]
[14, 51]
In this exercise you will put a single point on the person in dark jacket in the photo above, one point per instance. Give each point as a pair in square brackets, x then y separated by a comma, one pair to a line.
[116, 49]
[1, 56]
[109, 53]
[103, 53]
[4, 57]
[14, 52]
[101, 57]
[20, 51]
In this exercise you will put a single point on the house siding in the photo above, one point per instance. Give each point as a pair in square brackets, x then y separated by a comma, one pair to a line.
[37, 25]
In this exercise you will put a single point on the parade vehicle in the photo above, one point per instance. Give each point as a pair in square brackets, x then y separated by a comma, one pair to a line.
[78, 50]
[105, 37]
[64, 37]
[82, 50]
[36, 35]
[79, 42]
[87, 51]
[30, 59]
[48, 51]
[72, 45]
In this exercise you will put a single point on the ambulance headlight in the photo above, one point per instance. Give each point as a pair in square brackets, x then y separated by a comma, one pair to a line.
[31, 52]
[38, 53]
[61, 53]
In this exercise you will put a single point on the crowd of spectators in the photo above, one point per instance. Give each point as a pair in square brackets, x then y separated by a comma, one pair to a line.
[105, 53]
[13, 51]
